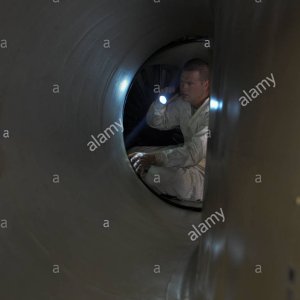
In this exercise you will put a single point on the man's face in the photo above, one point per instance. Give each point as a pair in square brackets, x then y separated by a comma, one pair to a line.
[192, 88]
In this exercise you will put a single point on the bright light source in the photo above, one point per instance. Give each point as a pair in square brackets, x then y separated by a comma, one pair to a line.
[163, 99]
[215, 104]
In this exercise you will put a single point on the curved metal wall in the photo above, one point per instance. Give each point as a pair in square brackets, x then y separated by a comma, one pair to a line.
[253, 160]
[54, 243]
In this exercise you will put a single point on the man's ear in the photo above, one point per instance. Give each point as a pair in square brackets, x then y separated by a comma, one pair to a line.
[206, 84]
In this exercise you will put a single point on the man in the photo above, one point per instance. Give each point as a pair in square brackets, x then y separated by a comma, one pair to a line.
[179, 170]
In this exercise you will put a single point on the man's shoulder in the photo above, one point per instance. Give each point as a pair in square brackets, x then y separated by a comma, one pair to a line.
[204, 108]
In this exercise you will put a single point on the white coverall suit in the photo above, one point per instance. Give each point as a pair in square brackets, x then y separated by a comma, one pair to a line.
[182, 167]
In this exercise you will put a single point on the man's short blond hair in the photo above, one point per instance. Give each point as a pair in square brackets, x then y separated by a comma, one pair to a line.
[197, 64]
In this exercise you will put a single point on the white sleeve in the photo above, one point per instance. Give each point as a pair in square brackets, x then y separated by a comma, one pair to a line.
[190, 154]
[163, 116]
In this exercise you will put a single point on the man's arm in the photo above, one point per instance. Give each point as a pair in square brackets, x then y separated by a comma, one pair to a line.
[190, 154]
[164, 116]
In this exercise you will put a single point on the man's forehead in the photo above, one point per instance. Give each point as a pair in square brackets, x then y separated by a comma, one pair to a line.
[190, 75]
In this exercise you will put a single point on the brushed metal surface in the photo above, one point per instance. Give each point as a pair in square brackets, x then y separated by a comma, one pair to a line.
[253, 40]
[50, 224]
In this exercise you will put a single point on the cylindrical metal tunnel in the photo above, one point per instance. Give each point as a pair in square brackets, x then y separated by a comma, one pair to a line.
[76, 224]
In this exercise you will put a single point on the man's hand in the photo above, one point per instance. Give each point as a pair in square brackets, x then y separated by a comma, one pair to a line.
[141, 162]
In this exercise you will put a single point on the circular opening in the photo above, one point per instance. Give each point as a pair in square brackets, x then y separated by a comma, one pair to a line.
[157, 91]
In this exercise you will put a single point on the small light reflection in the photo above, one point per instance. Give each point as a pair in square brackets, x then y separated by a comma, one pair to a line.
[216, 104]
[237, 249]
[124, 85]
[218, 247]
